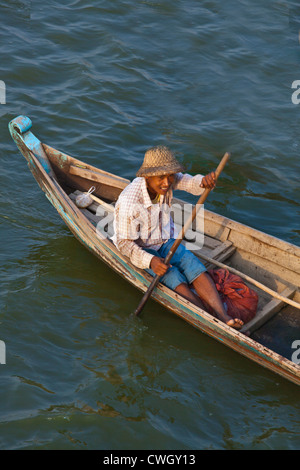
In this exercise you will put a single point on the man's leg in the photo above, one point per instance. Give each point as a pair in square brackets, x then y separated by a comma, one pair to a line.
[184, 290]
[183, 261]
[206, 289]
[197, 276]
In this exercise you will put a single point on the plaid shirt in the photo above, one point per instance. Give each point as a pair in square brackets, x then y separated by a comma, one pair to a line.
[138, 223]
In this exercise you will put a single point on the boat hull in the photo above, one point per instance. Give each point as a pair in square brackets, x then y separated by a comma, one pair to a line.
[87, 234]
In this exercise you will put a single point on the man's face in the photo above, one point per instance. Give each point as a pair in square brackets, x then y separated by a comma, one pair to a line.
[159, 184]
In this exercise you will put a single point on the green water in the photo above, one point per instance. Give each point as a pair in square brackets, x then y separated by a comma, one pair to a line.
[103, 81]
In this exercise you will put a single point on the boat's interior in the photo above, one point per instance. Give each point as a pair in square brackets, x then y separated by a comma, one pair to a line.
[260, 256]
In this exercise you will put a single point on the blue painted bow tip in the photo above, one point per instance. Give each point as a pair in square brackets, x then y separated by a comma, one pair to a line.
[21, 123]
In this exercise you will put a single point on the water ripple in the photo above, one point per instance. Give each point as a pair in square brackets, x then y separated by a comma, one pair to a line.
[103, 83]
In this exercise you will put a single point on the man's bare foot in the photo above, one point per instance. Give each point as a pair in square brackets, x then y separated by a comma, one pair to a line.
[235, 323]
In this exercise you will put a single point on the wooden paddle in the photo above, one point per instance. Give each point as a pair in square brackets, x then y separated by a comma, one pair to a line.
[181, 235]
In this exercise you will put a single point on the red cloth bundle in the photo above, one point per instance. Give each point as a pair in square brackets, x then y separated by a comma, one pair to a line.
[239, 300]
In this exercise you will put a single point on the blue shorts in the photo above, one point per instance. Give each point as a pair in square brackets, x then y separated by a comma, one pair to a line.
[186, 267]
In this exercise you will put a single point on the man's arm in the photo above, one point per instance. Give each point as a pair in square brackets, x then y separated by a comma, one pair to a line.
[194, 184]
[139, 257]
[127, 231]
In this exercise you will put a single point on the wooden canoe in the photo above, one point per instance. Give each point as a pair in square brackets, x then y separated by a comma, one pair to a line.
[274, 332]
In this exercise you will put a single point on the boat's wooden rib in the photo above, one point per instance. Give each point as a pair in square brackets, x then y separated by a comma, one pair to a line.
[267, 259]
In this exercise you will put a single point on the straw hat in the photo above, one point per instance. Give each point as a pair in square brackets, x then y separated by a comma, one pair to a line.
[159, 161]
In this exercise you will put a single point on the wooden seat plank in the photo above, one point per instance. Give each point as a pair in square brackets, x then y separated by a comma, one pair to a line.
[268, 311]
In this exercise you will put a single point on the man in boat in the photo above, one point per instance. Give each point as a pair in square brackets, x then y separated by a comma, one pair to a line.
[146, 239]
